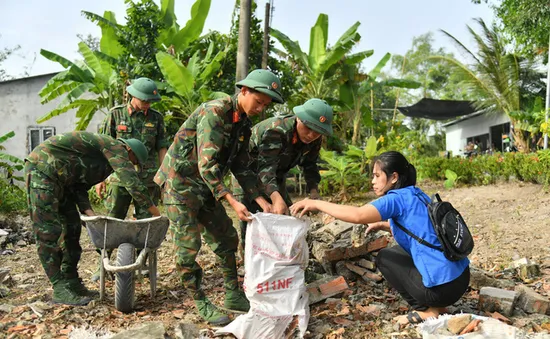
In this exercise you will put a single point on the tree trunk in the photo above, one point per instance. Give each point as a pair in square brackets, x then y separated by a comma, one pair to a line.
[521, 142]
[244, 40]
[265, 53]
[356, 127]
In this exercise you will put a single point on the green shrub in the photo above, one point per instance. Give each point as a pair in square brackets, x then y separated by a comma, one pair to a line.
[488, 169]
[12, 198]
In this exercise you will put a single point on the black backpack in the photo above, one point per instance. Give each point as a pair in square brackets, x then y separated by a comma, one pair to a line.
[453, 233]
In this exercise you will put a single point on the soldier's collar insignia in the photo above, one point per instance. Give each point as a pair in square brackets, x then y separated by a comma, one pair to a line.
[236, 117]
[295, 138]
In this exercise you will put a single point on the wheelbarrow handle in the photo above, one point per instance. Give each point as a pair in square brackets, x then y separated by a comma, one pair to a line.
[132, 267]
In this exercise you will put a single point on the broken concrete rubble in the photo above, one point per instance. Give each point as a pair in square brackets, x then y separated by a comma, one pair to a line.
[339, 242]
[532, 302]
[495, 299]
[364, 273]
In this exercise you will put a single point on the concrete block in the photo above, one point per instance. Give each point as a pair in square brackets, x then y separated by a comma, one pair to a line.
[532, 302]
[497, 300]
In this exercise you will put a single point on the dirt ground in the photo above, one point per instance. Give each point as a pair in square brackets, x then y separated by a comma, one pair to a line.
[509, 221]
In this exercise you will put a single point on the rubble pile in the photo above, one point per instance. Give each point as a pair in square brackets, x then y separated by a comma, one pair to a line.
[15, 231]
[343, 280]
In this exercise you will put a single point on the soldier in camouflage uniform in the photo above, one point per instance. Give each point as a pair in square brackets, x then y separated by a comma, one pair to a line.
[211, 142]
[135, 120]
[138, 121]
[279, 144]
[59, 173]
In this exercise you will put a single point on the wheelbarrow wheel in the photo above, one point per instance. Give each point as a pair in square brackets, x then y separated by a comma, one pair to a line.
[124, 282]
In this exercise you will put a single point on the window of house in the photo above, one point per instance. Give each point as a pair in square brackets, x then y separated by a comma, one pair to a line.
[38, 134]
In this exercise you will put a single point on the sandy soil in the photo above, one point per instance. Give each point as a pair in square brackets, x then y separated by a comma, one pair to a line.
[509, 221]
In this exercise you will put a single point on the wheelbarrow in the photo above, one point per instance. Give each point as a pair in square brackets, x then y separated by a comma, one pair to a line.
[109, 233]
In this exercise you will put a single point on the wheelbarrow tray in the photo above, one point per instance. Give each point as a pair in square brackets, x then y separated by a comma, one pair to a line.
[126, 231]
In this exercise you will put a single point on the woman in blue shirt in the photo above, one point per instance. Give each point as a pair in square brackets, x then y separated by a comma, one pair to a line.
[422, 275]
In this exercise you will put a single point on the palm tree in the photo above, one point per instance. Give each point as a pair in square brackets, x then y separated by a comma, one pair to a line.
[495, 75]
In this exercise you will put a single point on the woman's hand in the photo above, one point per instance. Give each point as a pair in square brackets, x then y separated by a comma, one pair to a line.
[377, 226]
[304, 206]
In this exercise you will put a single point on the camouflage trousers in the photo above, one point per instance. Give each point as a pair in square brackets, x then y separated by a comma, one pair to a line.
[200, 213]
[56, 224]
[119, 200]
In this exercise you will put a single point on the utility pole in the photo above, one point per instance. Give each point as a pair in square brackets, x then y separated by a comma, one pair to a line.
[547, 105]
[244, 40]
[267, 17]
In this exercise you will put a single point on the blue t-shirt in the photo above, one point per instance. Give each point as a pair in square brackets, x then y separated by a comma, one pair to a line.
[404, 206]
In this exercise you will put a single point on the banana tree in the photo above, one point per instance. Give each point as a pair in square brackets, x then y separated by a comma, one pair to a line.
[9, 163]
[339, 169]
[186, 84]
[356, 91]
[320, 65]
[96, 83]
[88, 87]
[364, 156]
[176, 38]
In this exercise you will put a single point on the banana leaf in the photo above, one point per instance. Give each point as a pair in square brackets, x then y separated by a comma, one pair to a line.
[318, 42]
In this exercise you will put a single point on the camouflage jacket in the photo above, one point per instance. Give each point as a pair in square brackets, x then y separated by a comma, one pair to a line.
[125, 122]
[210, 142]
[275, 149]
[79, 160]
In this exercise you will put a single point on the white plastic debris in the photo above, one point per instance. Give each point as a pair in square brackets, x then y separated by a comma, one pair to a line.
[489, 328]
[276, 255]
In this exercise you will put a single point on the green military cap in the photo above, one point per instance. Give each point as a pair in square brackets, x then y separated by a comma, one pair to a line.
[265, 82]
[138, 148]
[144, 89]
[316, 114]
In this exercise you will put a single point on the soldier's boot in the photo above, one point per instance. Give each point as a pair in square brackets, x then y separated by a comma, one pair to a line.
[208, 311]
[64, 294]
[97, 274]
[78, 286]
[235, 299]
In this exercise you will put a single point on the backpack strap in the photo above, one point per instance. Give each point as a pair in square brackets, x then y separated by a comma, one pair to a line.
[421, 198]
[420, 240]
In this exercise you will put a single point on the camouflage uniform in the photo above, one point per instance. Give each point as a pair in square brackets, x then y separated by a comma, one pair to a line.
[59, 173]
[275, 149]
[148, 127]
[212, 141]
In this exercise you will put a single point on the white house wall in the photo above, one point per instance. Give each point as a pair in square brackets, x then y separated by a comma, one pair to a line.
[20, 107]
[456, 134]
